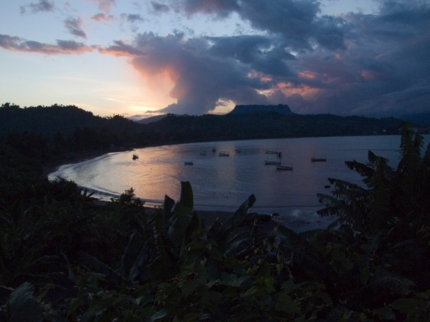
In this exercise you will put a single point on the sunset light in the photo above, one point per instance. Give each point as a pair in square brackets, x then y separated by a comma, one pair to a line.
[184, 56]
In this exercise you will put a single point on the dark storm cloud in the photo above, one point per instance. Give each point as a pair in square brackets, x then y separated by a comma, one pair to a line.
[296, 20]
[392, 51]
[220, 8]
[262, 53]
[159, 8]
[41, 6]
[63, 47]
[329, 32]
[74, 27]
[132, 18]
[372, 64]
[414, 99]
[200, 78]
[405, 12]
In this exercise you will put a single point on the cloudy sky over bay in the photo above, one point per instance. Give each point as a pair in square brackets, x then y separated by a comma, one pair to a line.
[362, 57]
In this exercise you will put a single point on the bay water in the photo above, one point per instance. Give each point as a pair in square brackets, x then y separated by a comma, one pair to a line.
[224, 182]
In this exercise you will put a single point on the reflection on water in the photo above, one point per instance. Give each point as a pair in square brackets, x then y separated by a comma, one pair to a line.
[223, 183]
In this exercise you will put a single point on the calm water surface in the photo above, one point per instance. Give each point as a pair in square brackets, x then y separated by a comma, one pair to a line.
[223, 183]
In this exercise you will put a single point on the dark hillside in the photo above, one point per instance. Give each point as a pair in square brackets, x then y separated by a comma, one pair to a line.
[71, 129]
[244, 109]
[267, 125]
[57, 118]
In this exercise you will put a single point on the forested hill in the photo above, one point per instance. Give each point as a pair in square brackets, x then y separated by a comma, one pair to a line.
[245, 109]
[57, 119]
[86, 130]
[267, 125]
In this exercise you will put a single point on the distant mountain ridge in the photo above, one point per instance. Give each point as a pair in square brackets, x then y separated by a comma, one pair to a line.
[151, 119]
[283, 109]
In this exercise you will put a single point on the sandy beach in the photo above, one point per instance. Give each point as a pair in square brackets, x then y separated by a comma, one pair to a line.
[53, 165]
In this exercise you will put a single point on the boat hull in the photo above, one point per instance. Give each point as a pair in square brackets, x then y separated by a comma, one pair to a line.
[284, 168]
[272, 162]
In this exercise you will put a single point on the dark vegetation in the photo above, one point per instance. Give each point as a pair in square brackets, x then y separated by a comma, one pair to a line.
[62, 258]
[245, 109]
[260, 125]
[68, 129]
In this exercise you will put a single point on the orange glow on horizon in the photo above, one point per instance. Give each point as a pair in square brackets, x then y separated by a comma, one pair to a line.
[116, 53]
[154, 89]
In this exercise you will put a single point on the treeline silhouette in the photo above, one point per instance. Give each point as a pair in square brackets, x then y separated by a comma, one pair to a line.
[58, 130]
[61, 131]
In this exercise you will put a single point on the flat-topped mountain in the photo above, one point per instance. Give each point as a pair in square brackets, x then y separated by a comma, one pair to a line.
[246, 109]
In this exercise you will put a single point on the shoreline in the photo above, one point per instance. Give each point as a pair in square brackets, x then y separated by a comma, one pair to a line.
[53, 165]
[209, 216]
[298, 218]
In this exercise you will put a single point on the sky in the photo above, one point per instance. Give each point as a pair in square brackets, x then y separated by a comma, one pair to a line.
[140, 58]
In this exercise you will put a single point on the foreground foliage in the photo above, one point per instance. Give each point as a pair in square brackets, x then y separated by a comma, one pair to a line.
[64, 259]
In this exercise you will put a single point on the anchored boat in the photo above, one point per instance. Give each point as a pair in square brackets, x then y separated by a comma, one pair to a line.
[284, 167]
[224, 154]
[318, 159]
[268, 162]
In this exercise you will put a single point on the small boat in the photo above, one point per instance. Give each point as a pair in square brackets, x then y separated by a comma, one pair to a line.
[202, 153]
[188, 163]
[238, 150]
[224, 154]
[267, 162]
[284, 167]
[135, 157]
[214, 150]
[318, 159]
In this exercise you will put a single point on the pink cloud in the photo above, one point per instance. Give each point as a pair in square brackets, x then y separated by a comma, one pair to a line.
[104, 5]
[100, 17]
[120, 49]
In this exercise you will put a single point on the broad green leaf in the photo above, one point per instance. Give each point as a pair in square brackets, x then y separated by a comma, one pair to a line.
[187, 198]
[167, 209]
[130, 255]
[181, 220]
[406, 305]
[159, 315]
[23, 306]
[101, 267]
[286, 304]
[385, 313]
[139, 267]
[187, 288]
